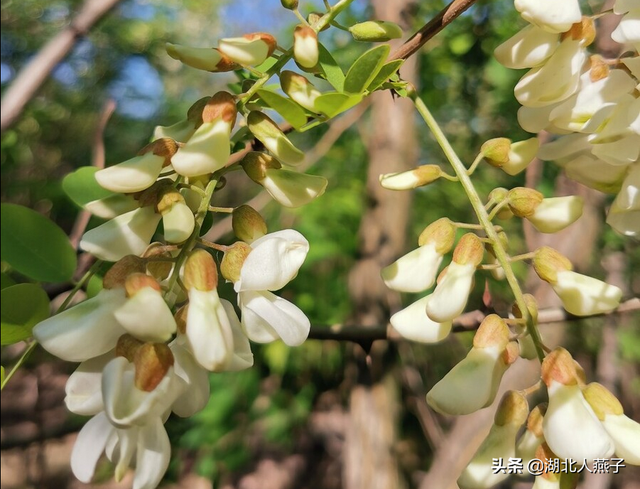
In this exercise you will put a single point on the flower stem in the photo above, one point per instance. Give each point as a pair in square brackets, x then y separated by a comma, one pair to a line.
[498, 249]
[19, 363]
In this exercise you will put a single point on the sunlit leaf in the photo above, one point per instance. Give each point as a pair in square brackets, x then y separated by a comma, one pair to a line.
[81, 186]
[287, 108]
[365, 68]
[332, 104]
[22, 306]
[330, 68]
[384, 74]
[35, 246]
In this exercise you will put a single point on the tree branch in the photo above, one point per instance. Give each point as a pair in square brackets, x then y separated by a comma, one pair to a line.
[467, 322]
[34, 74]
[430, 29]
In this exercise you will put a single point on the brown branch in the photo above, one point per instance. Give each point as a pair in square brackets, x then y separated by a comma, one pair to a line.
[430, 29]
[34, 74]
[467, 322]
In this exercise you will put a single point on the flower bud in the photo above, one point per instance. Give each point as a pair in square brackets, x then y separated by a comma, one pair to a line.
[442, 232]
[183, 130]
[305, 46]
[523, 201]
[556, 213]
[533, 436]
[291, 188]
[200, 271]
[136, 282]
[139, 172]
[518, 156]
[250, 49]
[624, 431]
[375, 31]
[571, 428]
[118, 273]
[112, 206]
[418, 177]
[269, 134]
[414, 272]
[177, 219]
[413, 324]
[469, 250]
[208, 149]
[255, 164]
[247, 223]
[152, 361]
[547, 262]
[207, 59]
[289, 4]
[496, 151]
[499, 443]
[233, 260]
[498, 195]
[299, 89]
[127, 346]
[160, 270]
[532, 308]
[313, 18]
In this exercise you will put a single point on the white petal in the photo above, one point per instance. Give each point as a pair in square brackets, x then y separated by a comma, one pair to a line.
[127, 234]
[196, 378]
[147, 316]
[205, 152]
[499, 444]
[274, 261]
[83, 392]
[405, 180]
[555, 80]
[180, 131]
[124, 450]
[414, 272]
[125, 405]
[89, 445]
[452, 293]
[178, 223]
[413, 323]
[625, 433]
[83, 331]
[520, 155]
[208, 330]
[551, 15]
[571, 428]
[582, 295]
[248, 52]
[305, 51]
[527, 446]
[200, 58]
[470, 385]
[597, 174]
[112, 206]
[628, 30]
[267, 317]
[291, 188]
[528, 48]
[242, 355]
[556, 213]
[152, 455]
[134, 175]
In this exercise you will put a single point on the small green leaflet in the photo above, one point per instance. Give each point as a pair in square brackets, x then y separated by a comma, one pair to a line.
[330, 68]
[287, 108]
[22, 306]
[365, 68]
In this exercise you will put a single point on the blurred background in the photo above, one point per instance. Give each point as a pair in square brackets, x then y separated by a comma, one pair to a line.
[328, 414]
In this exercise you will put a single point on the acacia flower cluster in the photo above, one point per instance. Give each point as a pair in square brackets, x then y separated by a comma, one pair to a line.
[589, 102]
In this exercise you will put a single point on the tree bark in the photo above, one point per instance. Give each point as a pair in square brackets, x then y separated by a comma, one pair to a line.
[369, 458]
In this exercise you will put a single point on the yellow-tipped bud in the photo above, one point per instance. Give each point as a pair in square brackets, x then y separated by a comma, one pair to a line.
[247, 223]
[269, 134]
[547, 262]
[233, 260]
[136, 282]
[289, 4]
[419, 176]
[523, 201]
[602, 401]
[559, 366]
[299, 89]
[583, 31]
[220, 107]
[513, 409]
[207, 59]
[496, 151]
[152, 361]
[375, 31]
[200, 271]
[256, 164]
[441, 232]
[305, 46]
[493, 331]
[469, 250]
[118, 273]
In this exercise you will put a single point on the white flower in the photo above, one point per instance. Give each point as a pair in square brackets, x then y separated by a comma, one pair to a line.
[305, 46]
[208, 59]
[529, 47]
[134, 175]
[556, 213]
[269, 134]
[557, 79]
[452, 293]
[299, 89]
[406, 180]
[196, 380]
[618, 142]
[571, 429]
[582, 295]
[83, 389]
[84, 331]
[249, 50]
[178, 222]
[413, 323]
[206, 151]
[628, 30]
[550, 15]
[112, 206]
[149, 444]
[180, 131]
[127, 405]
[127, 234]
[624, 214]
[291, 188]
[414, 272]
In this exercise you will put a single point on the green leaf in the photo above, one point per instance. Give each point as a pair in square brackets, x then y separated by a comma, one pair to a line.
[287, 108]
[6, 281]
[330, 68]
[22, 306]
[384, 74]
[365, 68]
[35, 246]
[81, 186]
[332, 104]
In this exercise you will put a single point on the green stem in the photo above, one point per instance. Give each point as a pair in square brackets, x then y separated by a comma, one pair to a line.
[499, 251]
[475, 164]
[19, 363]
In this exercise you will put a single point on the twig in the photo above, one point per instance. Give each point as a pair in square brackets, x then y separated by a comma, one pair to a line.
[467, 322]
[430, 29]
[32, 76]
